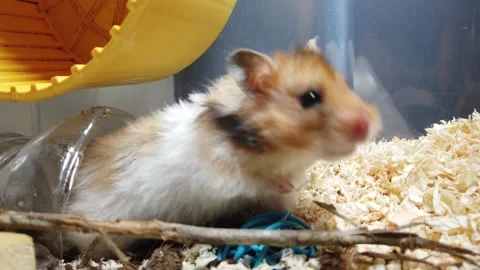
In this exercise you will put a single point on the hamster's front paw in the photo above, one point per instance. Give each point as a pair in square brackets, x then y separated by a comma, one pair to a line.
[290, 201]
[283, 185]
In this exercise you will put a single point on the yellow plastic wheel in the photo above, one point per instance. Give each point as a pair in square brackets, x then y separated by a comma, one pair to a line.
[50, 47]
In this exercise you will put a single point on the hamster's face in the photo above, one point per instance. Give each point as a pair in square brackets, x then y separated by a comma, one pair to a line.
[300, 103]
[313, 108]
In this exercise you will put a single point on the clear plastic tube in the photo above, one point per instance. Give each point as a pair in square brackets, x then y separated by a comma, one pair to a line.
[37, 174]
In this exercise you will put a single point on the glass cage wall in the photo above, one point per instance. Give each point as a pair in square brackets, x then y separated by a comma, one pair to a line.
[419, 61]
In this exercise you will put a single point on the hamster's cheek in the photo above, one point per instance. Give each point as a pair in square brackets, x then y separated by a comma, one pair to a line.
[335, 149]
[325, 144]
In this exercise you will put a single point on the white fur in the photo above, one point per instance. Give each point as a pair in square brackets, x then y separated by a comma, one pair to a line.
[312, 44]
[173, 183]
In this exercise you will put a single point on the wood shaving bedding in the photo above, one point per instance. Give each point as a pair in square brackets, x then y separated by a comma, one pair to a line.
[198, 257]
[433, 179]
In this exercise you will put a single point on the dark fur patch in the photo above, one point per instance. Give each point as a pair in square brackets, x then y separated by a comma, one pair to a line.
[238, 131]
[234, 125]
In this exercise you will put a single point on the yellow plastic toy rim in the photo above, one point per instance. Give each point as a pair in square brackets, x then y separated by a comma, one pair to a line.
[157, 39]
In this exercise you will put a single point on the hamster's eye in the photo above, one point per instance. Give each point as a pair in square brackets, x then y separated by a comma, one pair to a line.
[310, 98]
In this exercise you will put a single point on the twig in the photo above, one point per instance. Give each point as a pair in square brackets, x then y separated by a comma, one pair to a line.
[333, 210]
[397, 256]
[88, 253]
[186, 234]
[411, 225]
[114, 248]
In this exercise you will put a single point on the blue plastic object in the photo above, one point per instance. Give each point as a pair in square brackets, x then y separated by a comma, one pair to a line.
[260, 253]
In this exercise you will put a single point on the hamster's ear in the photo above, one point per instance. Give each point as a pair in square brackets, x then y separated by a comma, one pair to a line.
[312, 45]
[251, 70]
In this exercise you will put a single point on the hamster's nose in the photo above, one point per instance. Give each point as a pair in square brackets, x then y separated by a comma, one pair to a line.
[360, 128]
[357, 126]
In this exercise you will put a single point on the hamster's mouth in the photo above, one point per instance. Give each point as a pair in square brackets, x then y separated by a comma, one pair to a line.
[337, 146]
[341, 149]
[334, 154]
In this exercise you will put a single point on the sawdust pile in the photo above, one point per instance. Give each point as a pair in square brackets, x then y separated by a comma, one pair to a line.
[433, 179]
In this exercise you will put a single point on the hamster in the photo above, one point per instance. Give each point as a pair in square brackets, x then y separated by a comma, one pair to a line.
[249, 138]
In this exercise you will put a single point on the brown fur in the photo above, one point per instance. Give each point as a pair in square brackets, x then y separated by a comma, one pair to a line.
[279, 111]
[289, 123]
[276, 113]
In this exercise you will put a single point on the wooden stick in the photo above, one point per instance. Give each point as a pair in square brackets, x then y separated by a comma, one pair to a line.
[397, 256]
[113, 247]
[333, 210]
[186, 234]
[87, 254]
